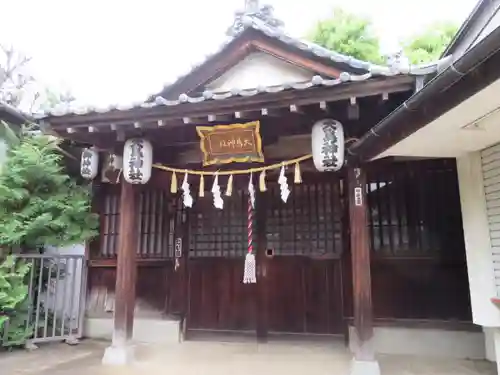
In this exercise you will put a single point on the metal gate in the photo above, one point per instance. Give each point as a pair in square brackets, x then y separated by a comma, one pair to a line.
[55, 306]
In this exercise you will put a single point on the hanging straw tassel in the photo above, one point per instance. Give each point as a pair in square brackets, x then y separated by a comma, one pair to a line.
[297, 176]
[249, 276]
[262, 181]
[229, 188]
[201, 193]
[173, 185]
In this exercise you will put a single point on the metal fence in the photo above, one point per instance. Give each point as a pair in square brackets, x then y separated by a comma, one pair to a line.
[55, 305]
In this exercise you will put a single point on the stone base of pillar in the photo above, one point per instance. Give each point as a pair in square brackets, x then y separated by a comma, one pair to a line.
[118, 355]
[364, 368]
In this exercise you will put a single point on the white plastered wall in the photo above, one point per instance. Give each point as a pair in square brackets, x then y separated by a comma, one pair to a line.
[477, 240]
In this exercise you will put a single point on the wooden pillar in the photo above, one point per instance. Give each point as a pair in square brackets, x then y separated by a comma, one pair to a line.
[126, 274]
[263, 264]
[361, 334]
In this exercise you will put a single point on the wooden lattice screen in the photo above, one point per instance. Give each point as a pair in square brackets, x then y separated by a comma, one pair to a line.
[414, 209]
[309, 224]
[219, 233]
[156, 225]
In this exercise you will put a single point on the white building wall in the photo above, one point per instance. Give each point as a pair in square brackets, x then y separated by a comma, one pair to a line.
[477, 240]
[259, 69]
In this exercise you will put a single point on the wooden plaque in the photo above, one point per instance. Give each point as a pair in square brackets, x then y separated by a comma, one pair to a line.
[236, 143]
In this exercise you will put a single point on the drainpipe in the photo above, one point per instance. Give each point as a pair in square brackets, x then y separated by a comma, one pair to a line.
[400, 120]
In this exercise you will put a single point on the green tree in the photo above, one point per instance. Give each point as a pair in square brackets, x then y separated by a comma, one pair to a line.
[13, 302]
[429, 44]
[349, 34]
[39, 203]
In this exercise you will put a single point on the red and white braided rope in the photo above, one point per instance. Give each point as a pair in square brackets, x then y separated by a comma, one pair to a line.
[250, 226]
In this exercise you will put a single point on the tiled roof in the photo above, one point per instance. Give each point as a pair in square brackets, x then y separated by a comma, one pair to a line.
[13, 114]
[369, 70]
[323, 52]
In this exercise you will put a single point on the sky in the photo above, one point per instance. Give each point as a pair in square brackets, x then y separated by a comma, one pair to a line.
[111, 51]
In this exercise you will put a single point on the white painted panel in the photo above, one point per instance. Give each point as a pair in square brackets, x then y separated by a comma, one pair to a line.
[495, 180]
[259, 69]
[490, 160]
[491, 189]
[493, 211]
[493, 196]
[493, 203]
[479, 252]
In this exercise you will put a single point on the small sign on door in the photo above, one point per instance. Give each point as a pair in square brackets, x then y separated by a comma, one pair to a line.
[358, 196]
[178, 247]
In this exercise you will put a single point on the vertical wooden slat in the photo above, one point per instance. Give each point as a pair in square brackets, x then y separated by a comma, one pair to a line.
[420, 193]
[263, 264]
[152, 224]
[360, 250]
[371, 208]
[106, 218]
[397, 204]
[380, 216]
[388, 187]
[295, 190]
[126, 270]
[161, 250]
[114, 210]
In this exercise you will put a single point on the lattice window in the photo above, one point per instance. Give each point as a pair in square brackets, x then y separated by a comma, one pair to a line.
[219, 233]
[155, 224]
[309, 223]
[414, 208]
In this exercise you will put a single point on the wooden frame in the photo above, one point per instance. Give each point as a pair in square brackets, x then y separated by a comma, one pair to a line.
[210, 157]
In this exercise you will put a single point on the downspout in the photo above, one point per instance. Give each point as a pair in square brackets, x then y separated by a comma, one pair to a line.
[365, 147]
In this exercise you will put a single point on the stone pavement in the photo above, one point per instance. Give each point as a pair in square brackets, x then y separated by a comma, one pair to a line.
[190, 358]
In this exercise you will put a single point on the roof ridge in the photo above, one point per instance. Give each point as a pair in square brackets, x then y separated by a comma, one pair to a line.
[320, 51]
[207, 95]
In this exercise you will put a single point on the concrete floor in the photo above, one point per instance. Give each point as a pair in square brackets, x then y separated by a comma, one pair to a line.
[233, 358]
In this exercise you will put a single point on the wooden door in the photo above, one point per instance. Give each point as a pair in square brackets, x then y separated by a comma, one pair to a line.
[299, 273]
[217, 298]
[304, 244]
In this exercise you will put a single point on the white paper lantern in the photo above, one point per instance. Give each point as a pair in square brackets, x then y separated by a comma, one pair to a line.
[89, 163]
[137, 161]
[328, 145]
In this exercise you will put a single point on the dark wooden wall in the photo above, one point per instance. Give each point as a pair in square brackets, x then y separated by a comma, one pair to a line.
[418, 255]
[418, 266]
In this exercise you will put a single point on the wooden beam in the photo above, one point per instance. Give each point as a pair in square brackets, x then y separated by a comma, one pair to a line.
[353, 109]
[246, 115]
[126, 268]
[324, 107]
[270, 112]
[219, 118]
[294, 108]
[252, 103]
[296, 59]
[362, 333]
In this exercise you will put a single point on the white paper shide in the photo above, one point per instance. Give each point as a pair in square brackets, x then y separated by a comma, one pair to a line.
[283, 182]
[328, 145]
[218, 201]
[89, 163]
[251, 191]
[137, 161]
[187, 199]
